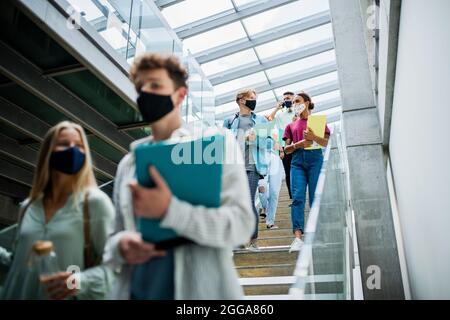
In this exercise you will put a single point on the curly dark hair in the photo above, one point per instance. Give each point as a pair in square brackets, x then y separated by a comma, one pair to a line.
[150, 61]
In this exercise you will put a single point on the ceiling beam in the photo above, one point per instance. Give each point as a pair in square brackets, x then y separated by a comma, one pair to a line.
[11, 148]
[54, 72]
[227, 17]
[275, 61]
[282, 81]
[54, 94]
[35, 128]
[12, 189]
[16, 173]
[162, 4]
[270, 35]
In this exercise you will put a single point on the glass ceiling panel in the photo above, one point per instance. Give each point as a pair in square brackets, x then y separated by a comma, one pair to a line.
[229, 62]
[295, 41]
[189, 11]
[329, 111]
[89, 9]
[114, 37]
[291, 68]
[265, 97]
[304, 85]
[241, 83]
[284, 14]
[227, 107]
[326, 96]
[215, 37]
[240, 3]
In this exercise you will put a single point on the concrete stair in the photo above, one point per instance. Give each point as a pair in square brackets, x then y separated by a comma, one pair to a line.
[269, 271]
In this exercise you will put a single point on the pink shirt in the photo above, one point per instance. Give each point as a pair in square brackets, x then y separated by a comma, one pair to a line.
[294, 131]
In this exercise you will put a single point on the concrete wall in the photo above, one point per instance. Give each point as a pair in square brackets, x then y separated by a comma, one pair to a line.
[370, 199]
[389, 14]
[419, 146]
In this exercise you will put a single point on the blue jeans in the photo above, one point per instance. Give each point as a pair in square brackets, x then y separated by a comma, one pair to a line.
[305, 171]
[273, 185]
[253, 178]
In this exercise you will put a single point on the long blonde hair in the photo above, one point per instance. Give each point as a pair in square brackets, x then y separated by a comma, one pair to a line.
[42, 177]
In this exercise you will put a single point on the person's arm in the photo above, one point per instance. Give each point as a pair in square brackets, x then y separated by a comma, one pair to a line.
[111, 254]
[97, 281]
[291, 147]
[92, 283]
[311, 136]
[279, 106]
[125, 246]
[227, 226]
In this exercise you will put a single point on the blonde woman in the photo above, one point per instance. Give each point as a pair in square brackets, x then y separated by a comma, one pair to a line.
[64, 207]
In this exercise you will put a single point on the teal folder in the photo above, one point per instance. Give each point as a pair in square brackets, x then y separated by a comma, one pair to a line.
[193, 172]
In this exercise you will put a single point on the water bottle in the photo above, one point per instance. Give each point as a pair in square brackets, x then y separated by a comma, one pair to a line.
[44, 262]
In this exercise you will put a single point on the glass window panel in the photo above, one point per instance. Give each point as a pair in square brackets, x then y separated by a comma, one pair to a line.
[240, 3]
[215, 37]
[291, 68]
[284, 14]
[227, 107]
[266, 97]
[192, 10]
[237, 84]
[326, 96]
[229, 62]
[294, 41]
[88, 8]
[114, 37]
[329, 112]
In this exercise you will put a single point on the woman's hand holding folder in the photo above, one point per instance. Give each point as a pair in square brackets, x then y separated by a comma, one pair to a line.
[151, 202]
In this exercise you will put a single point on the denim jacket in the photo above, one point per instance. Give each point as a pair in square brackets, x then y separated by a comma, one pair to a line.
[261, 153]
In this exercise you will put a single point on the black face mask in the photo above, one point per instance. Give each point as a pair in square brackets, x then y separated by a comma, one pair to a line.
[153, 106]
[251, 104]
[69, 161]
[287, 104]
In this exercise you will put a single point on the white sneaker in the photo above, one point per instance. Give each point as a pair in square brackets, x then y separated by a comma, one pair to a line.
[272, 227]
[296, 245]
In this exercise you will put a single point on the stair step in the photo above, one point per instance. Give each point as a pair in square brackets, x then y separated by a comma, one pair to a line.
[323, 284]
[316, 279]
[267, 271]
[282, 223]
[267, 289]
[265, 257]
[282, 232]
[323, 296]
[275, 241]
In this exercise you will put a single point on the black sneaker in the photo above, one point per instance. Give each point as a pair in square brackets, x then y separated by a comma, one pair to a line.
[262, 213]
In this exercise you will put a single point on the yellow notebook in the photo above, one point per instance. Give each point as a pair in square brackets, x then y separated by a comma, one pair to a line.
[317, 124]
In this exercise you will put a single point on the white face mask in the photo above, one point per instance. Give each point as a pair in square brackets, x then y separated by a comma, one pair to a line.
[299, 108]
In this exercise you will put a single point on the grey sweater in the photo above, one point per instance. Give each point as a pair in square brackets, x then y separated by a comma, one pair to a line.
[204, 270]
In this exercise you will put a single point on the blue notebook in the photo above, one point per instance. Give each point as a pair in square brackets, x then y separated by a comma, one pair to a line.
[193, 172]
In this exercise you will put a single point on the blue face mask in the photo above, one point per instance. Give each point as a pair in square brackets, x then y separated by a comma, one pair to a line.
[69, 161]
